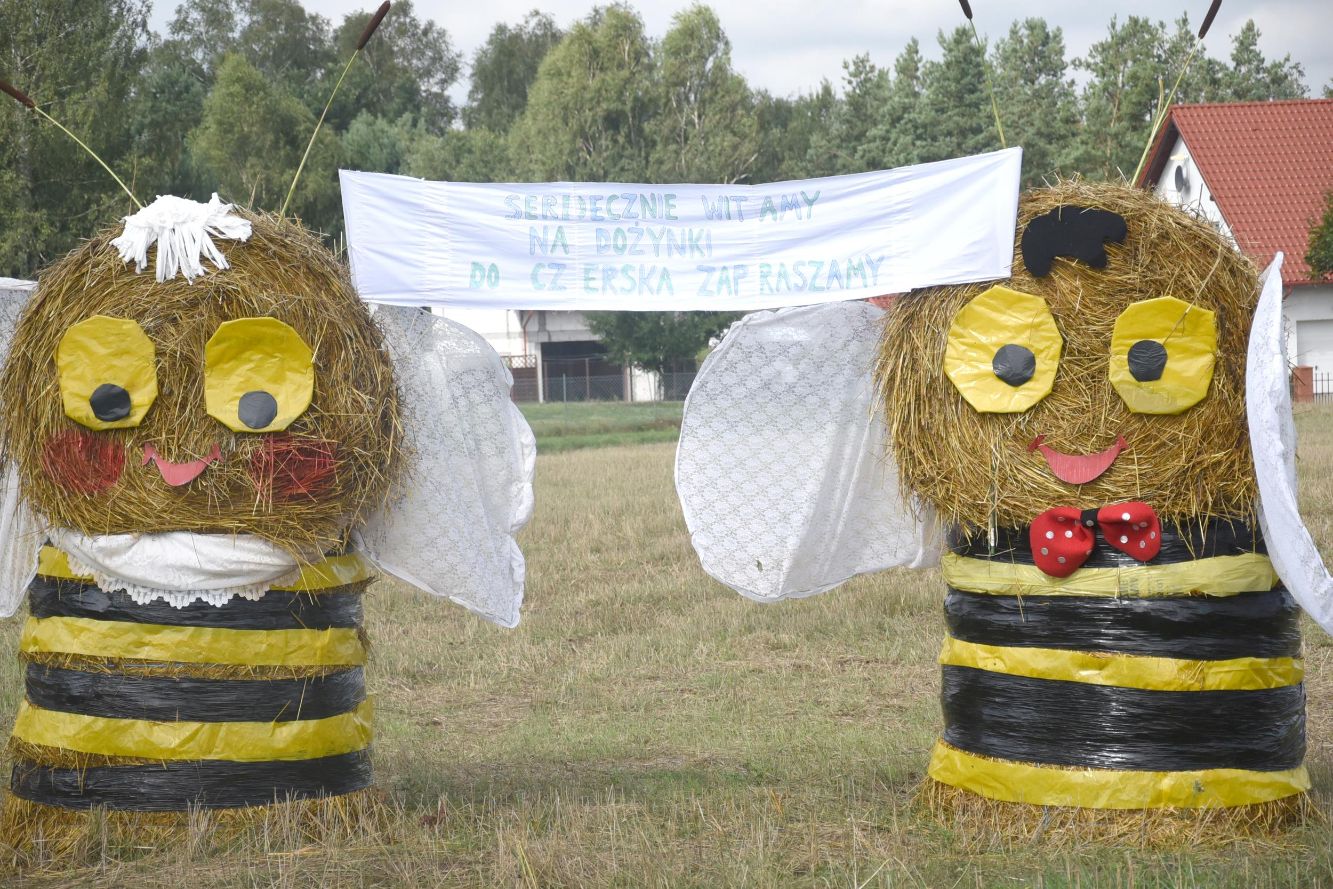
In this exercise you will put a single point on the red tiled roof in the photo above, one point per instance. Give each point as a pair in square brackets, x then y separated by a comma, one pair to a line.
[1268, 166]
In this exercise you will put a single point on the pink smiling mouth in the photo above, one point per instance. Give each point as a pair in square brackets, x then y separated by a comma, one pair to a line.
[177, 474]
[1078, 469]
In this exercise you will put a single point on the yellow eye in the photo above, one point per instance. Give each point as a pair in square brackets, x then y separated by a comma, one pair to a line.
[1003, 351]
[1162, 355]
[108, 372]
[258, 375]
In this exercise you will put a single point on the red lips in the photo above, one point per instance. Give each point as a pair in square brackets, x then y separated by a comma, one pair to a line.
[1078, 469]
[177, 474]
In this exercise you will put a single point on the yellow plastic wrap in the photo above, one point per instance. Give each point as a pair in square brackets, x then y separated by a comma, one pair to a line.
[103, 351]
[1018, 782]
[1189, 335]
[338, 647]
[1123, 670]
[1216, 576]
[996, 318]
[333, 572]
[257, 355]
[232, 741]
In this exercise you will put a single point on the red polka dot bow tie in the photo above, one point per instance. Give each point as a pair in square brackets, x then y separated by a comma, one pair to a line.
[1063, 538]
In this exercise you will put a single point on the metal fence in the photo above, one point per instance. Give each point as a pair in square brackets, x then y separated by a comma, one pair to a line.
[1323, 388]
[566, 380]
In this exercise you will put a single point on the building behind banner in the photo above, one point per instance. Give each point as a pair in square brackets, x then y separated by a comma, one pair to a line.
[555, 357]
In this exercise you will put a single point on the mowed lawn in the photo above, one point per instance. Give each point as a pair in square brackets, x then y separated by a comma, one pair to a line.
[571, 425]
[645, 727]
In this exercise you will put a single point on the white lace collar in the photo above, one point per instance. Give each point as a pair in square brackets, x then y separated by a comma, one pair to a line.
[180, 567]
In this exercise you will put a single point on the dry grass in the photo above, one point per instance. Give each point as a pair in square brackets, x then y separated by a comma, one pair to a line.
[282, 271]
[646, 728]
[976, 466]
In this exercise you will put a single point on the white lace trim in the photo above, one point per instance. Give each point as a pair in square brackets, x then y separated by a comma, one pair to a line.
[144, 595]
[180, 567]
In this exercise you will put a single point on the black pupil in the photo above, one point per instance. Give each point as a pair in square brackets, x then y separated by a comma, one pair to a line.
[109, 403]
[1014, 364]
[257, 409]
[1147, 360]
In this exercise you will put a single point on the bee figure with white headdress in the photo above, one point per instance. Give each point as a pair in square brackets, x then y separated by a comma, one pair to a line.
[212, 445]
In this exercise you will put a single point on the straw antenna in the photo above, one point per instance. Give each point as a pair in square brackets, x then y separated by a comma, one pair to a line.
[22, 98]
[366, 34]
[990, 87]
[1160, 117]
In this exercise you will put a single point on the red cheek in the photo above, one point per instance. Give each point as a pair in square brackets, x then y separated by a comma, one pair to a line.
[83, 462]
[286, 468]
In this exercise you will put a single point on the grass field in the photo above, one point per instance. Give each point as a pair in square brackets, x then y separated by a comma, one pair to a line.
[571, 425]
[645, 727]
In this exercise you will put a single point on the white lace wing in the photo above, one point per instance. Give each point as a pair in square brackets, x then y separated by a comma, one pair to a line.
[21, 532]
[448, 525]
[1273, 442]
[782, 469]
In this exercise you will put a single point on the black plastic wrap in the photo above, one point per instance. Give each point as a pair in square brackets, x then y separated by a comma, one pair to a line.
[168, 699]
[174, 786]
[1053, 722]
[275, 610]
[1260, 624]
[1180, 543]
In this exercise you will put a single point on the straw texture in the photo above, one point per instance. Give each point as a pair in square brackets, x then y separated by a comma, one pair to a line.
[302, 489]
[977, 469]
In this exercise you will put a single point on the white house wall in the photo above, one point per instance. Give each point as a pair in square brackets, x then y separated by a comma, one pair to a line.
[1309, 315]
[1198, 198]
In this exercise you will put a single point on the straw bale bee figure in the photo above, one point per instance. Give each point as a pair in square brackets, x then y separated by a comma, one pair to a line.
[1124, 562]
[206, 461]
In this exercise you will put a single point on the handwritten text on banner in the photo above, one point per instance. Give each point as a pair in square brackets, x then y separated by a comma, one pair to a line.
[675, 247]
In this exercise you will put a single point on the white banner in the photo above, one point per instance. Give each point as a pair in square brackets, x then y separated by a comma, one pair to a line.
[590, 246]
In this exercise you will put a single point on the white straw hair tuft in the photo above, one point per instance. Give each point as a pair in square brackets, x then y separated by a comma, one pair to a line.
[183, 231]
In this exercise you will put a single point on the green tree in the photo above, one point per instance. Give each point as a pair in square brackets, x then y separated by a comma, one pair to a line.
[1120, 98]
[504, 68]
[79, 62]
[658, 341]
[955, 115]
[589, 110]
[709, 131]
[788, 127]
[898, 137]
[1037, 100]
[250, 139]
[406, 70]
[1253, 78]
[376, 144]
[842, 146]
[459, 156]
[290, 46]
[1320, 253]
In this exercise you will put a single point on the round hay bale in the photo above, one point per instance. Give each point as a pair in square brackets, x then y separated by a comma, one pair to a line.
[976, 468]
[303, 488]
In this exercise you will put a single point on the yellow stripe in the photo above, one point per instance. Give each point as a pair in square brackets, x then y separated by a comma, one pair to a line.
[1217, 576]
[233, 741]
[1125, 670]
[197, 645]
[332, 572]
[1020, 782]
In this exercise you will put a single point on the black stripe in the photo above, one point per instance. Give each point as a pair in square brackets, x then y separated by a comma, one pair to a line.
[1052, 722]
[275, 610]
[169, 699]
[174, 786]
[1259, 624]
[1203, 539]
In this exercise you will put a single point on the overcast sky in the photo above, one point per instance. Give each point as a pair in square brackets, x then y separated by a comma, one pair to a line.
[788, 46]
